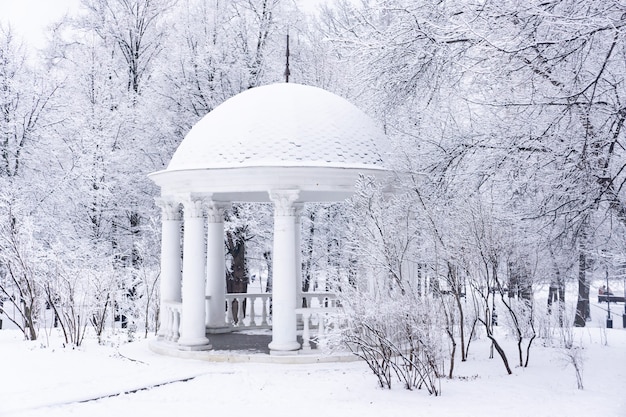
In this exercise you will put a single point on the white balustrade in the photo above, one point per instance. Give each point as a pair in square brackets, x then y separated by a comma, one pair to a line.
[320, 317]
[170, 325]
[253, 311]
[248, 310]
[320, 299]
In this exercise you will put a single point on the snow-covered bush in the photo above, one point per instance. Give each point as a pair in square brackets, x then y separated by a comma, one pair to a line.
[20, 271]
[397, 335]
[569, 349]
[392, 323]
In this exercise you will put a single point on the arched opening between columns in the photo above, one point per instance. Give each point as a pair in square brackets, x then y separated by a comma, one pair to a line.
[195, 313]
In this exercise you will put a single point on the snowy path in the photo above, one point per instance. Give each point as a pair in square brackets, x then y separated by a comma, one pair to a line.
[52, 382]
[52, 377]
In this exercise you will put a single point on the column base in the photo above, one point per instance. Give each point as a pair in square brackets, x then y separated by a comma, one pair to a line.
[283, 347]
[200, 343]
[198, 348]
[218, 329]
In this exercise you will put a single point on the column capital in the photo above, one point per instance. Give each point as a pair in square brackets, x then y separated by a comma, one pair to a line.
[284, 201]
[299, 208]
[193, 205]
[215, 211]
[170, 208]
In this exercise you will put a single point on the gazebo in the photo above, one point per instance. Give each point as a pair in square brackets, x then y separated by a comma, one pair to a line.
[287, 144]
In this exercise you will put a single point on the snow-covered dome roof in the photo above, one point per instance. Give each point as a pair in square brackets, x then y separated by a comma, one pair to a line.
[283, 125]
[277, 137]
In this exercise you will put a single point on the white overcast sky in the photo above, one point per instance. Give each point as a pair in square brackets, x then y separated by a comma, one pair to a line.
[30, 17]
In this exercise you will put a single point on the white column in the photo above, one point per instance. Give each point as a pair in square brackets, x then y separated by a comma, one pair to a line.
[284, 284]
[216, 268]
[192, 327]
[170, 285]
[299, 207]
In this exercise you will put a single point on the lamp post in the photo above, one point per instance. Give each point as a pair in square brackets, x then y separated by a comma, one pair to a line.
[624, 315]
[609, 319]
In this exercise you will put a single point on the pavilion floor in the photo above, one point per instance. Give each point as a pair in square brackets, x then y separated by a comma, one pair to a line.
[248, 346]
[241, 342]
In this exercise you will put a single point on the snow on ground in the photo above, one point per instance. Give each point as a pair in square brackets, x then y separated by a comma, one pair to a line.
[52, 381]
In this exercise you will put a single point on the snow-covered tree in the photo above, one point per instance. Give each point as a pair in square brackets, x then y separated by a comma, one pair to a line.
[28, 178]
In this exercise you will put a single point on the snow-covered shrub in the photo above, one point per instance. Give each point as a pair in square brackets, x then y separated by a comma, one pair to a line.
[392, 323]
[570, 350]
[520, 321]
[400, 335]
[572, 353]
[66, 295]
[20, 271]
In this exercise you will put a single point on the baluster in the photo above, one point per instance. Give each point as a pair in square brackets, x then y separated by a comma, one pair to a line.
[176, 324]
[309, 300]
[169, 330]
[320, 325]
[229, 311]
[240, 311]
[170, 321]
[165, 323]
[265, 300]
[306, 334]
[252, 300]
[226, 310]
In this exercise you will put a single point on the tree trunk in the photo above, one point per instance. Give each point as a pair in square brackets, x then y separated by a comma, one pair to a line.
[452, 354]
[582, 306]
[237, 277]
[306, 282]
[494, 343]
[237, 281]
[457, 292]
[267, 255]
